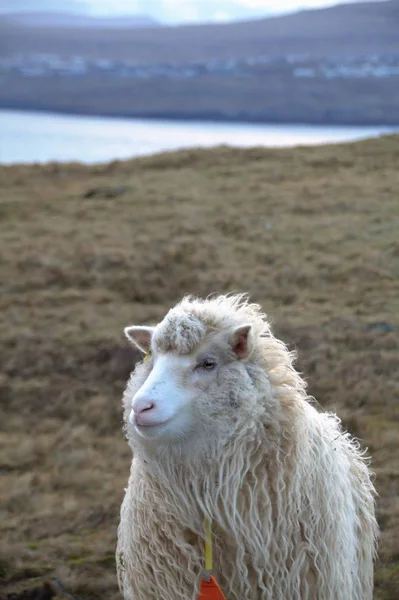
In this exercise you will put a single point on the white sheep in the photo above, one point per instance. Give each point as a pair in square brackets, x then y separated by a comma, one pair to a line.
[221, 428]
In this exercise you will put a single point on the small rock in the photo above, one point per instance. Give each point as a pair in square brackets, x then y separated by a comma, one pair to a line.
[106, 191]
[382, 327]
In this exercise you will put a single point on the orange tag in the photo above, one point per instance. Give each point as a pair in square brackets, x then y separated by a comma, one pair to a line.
[209, 590]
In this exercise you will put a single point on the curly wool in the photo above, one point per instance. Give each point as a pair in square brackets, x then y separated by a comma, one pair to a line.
[288, 492]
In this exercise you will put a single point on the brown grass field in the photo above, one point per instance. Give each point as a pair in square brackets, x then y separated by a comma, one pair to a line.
[310, 233]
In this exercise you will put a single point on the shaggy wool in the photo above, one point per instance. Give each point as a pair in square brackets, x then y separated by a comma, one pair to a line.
[289, 493]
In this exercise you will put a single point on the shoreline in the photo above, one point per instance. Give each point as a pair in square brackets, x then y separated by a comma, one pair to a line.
[205, 117]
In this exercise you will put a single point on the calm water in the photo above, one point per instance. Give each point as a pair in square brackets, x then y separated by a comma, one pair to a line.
[27, 137]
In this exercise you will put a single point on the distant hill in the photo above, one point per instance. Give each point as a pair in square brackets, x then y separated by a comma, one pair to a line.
[75, 21]
[337, 65]
[349, 28]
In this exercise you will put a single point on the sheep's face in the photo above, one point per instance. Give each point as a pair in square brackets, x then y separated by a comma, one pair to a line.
[191, 383]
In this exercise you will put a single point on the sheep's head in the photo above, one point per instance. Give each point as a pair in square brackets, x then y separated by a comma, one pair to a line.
[197, 374]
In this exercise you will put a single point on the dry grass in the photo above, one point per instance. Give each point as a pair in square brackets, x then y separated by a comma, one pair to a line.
[309, 232]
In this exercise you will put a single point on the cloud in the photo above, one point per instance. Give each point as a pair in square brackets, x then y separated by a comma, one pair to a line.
[168, 11]
[118, 7]
[184, 10]
[221, 15]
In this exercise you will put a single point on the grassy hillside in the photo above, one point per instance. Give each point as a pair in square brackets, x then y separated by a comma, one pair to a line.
[311, 233]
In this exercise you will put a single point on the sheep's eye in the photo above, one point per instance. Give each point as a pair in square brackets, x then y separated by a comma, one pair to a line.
[208, 364]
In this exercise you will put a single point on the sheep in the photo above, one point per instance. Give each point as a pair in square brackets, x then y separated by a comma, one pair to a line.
[221, 428]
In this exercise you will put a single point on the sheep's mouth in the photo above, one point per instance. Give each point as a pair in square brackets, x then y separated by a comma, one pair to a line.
[150, 425]
[153, 429]
[176, 425]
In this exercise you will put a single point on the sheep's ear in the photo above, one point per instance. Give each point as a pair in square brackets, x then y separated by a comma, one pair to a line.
[241, 341]
[140, 336]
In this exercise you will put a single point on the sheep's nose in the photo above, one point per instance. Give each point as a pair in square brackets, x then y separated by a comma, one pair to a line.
[143, 411]
[142, 405]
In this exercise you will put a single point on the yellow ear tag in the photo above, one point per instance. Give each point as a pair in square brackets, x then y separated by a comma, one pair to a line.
[147, 356]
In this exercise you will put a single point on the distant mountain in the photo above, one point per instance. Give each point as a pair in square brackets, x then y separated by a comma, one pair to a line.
[76, 21]
[365, 27]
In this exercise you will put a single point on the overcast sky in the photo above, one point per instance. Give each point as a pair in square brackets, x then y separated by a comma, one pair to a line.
[167, 11]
